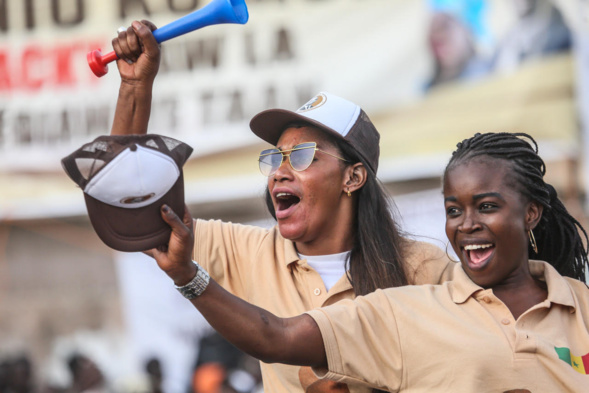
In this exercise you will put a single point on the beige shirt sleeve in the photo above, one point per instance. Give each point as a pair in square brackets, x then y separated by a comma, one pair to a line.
[426, 263]
[225, 251]
[360, 336]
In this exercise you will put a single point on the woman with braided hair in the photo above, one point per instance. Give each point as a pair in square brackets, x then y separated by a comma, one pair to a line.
[556, 238]
[505, 323]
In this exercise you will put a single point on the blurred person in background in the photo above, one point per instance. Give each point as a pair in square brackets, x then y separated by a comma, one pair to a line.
[209, 377]
[86, 376]
[153, 369]
[16, 375]
[4, 372]
[538, 31]
[213, 348]
[335, 237]
[458, 30]
[216, 357]
[453, 50]
[241, 372]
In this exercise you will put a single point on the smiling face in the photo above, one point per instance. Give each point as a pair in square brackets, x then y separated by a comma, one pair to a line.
[487, 220]
[310, 205]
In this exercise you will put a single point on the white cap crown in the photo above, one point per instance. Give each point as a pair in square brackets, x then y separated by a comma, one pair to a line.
[333, 111]
[135, 178]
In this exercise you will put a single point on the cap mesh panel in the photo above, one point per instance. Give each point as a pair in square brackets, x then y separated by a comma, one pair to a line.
[171, 144]
[88, 166]
[151, 143]
[98, 145]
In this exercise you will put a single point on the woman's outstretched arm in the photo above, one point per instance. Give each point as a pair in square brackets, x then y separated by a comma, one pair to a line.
[254, 330]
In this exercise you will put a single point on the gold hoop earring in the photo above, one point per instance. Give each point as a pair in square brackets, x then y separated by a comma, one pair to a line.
[448, 255]
[533, 241]
[349, 193]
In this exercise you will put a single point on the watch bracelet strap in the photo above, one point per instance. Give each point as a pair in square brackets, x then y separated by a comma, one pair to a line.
[197, 285]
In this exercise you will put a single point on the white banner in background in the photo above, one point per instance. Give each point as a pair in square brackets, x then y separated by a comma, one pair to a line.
[211, 82]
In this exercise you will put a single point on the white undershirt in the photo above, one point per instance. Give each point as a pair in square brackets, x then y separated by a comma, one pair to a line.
[330, 267]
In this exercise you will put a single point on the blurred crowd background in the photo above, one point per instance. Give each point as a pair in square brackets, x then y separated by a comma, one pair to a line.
[76, 316]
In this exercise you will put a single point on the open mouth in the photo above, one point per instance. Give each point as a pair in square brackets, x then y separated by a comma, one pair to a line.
[285, 201]
[478, 254]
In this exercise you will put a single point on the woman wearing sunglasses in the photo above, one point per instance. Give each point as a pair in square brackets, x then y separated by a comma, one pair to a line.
[335, 238]
[505, 323]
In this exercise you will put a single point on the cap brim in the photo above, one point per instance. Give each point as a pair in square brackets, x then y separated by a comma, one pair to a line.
[139, 229]
[269, 124]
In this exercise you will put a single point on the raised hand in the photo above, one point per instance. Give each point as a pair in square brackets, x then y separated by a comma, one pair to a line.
[138, 52]
[138, 64]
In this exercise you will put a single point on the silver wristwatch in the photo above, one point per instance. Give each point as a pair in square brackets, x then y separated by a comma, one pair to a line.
[197, 285]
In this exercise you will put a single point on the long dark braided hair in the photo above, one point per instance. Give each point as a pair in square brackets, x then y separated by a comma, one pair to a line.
[558, 234]
[376, 256]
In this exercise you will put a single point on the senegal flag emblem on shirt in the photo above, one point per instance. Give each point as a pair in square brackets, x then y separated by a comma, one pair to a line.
[579, 363]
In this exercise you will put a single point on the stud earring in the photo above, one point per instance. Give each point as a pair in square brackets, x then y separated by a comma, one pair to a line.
[533, 241]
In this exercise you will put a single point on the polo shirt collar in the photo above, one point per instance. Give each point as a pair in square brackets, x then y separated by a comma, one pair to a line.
[461, 287]
[290, 252]
[291, 256]
[559, 292]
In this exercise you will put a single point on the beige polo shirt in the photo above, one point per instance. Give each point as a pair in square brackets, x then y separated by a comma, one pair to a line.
[459, 337]
[262, 267]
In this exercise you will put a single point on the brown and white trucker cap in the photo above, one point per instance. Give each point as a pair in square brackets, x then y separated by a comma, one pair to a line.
[330, 113]
[126, 179]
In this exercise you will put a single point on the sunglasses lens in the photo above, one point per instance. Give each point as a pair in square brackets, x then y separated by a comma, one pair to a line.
[302, 157]
[270, 161]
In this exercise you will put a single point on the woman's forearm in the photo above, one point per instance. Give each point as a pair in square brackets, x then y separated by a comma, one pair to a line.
[133, 109]
[260, 333]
